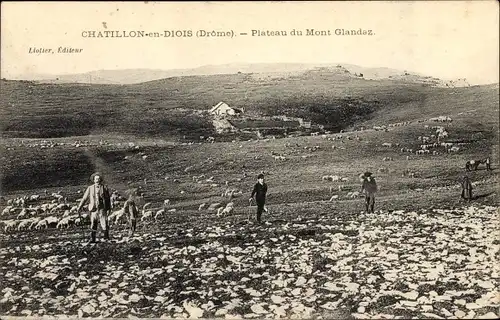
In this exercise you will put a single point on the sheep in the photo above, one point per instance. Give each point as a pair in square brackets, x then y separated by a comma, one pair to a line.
[35, 197]
[7, 210]
[214, 206]
[353, 194]
[57, 196]
[82, 219]
[159, 213]
[24, 224]
[146, 214]
[22, 214]
[342, 187]
[47, 222]
[60, 207]
[9, 225]
[227, 210]
[331, 178]
[116, 216]
[334, 197]
[65, 223]
[34, 222]
[388, 159]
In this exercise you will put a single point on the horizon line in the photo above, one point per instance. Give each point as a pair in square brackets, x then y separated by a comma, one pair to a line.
[312, 64]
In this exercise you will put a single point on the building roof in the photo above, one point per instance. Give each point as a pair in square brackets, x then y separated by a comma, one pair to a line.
[218, 105]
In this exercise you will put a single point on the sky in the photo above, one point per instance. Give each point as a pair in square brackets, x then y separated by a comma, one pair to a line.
[445, 39]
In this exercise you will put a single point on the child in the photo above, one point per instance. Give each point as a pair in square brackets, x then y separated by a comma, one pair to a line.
[131, 211]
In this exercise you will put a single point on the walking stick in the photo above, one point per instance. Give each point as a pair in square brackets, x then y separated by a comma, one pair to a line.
[81, 225]
[250, 206]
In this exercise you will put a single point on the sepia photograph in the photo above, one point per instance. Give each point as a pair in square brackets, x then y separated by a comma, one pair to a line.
[250, 160]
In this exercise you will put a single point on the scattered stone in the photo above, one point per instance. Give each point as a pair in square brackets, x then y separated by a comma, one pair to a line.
[460, 314]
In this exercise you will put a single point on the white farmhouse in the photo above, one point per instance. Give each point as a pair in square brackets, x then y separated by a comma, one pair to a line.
[223, 108]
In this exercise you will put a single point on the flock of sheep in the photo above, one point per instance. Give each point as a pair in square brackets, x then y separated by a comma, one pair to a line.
[37, 212]
[28, 216]
[60, 214]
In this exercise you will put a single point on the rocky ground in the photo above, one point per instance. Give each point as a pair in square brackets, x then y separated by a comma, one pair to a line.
[399, 264]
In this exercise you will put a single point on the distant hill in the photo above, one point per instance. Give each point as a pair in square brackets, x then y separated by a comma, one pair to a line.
[133, 76]
[334, 96]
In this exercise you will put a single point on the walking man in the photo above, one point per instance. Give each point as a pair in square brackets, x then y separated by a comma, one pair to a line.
[259, 190]
[466, 189]
[369, 187]
[99, 205]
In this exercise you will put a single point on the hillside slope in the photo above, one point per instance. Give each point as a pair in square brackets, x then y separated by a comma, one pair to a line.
[165, 107]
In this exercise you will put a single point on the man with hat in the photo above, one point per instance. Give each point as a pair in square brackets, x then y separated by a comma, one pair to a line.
[259, 191]
[369, 187]
[99, 205]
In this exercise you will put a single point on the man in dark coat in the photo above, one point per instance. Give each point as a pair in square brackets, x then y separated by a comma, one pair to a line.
[259, 191]
[466, 189]
[99, 205]
[369, 187]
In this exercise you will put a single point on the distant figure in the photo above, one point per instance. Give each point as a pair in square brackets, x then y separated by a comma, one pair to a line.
[369, 187]
[260, 191]
[466, 189]
[99, 205]
[488, 164]
[130, 210]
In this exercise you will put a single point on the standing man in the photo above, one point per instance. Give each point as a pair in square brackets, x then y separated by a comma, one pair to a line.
[488, 164]
[369, 187]
[99, 205]
[466, 189]
[259, 190]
